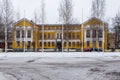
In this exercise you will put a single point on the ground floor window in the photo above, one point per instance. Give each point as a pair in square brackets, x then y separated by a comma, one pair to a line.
[45, 44]
[65, 44]
[53, 44]
[48, 44]
[29, 43]
[100, 43]
[73, 44]
[88, 43]
[78, 44]
[2, 45]
[40, 44]
[70, 44]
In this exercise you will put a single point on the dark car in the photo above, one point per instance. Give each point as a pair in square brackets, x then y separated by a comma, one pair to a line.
[87, 50]
[96, 49]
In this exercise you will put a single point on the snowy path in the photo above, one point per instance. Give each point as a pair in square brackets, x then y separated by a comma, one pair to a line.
[82, 67]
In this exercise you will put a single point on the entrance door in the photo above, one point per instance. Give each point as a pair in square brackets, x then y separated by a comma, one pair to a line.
[59, 46]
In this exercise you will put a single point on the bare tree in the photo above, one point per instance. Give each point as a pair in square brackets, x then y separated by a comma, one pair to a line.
[18, 15]
[36, 17]
[1, 25]
[7, 14]
[116, 24]
[66, 16]
[98, 8]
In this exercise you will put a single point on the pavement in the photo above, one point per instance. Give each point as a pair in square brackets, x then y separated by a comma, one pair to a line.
[71, 68]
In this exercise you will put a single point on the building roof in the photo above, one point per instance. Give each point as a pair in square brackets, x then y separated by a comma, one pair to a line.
[94, 18]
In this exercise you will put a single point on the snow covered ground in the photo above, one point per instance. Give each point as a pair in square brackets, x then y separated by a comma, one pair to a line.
[60, 66]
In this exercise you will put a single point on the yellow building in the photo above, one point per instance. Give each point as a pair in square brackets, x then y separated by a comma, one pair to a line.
[95, 34]
[28, 35]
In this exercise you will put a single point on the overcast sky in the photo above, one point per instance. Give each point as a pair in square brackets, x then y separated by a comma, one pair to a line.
[112, 7]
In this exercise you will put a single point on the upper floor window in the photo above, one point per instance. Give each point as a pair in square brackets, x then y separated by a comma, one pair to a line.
[45, 36]
[100, 43]
[100, 33]
[18, 43]
[48, 35]
[88, 33]
[29, 33]
[40, 37]
[52, 36]
[94, 33]
[69, 35]
[23, 34]
[73, 36]
[18, 34]
[78, 36]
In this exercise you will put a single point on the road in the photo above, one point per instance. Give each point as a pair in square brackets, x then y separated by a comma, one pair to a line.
[60, 69]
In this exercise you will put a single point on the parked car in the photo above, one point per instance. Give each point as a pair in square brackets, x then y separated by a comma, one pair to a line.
[96, 50]
[87, 50]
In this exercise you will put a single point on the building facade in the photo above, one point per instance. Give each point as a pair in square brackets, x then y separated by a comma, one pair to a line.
[91, 34]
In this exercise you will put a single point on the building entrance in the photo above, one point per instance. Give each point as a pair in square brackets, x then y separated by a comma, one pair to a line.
[59, 46]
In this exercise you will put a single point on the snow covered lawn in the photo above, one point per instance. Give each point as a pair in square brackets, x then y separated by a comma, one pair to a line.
[60, 66]
[60, 54]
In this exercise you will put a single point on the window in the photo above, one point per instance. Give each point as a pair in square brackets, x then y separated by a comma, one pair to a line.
[53, 44]
[45, 36]
[23, 34]
[18, 34]
[29, 43]
[40, 44]
[48, 35]
[40, 37]
[58, 35]
[88, 43]
[46, 28]
[100, 43]
[94, 33]
[45, 44]
[65, 35]
[49, 28]
[78, 44]
[70, 44]
[73, 44]
[29, 33]
[48, 44]
[69, 35]
[88, 34]
[73, 36]
[78, 36]
[65, 44]
[100, 33]
[18, 43]
[52, 36]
